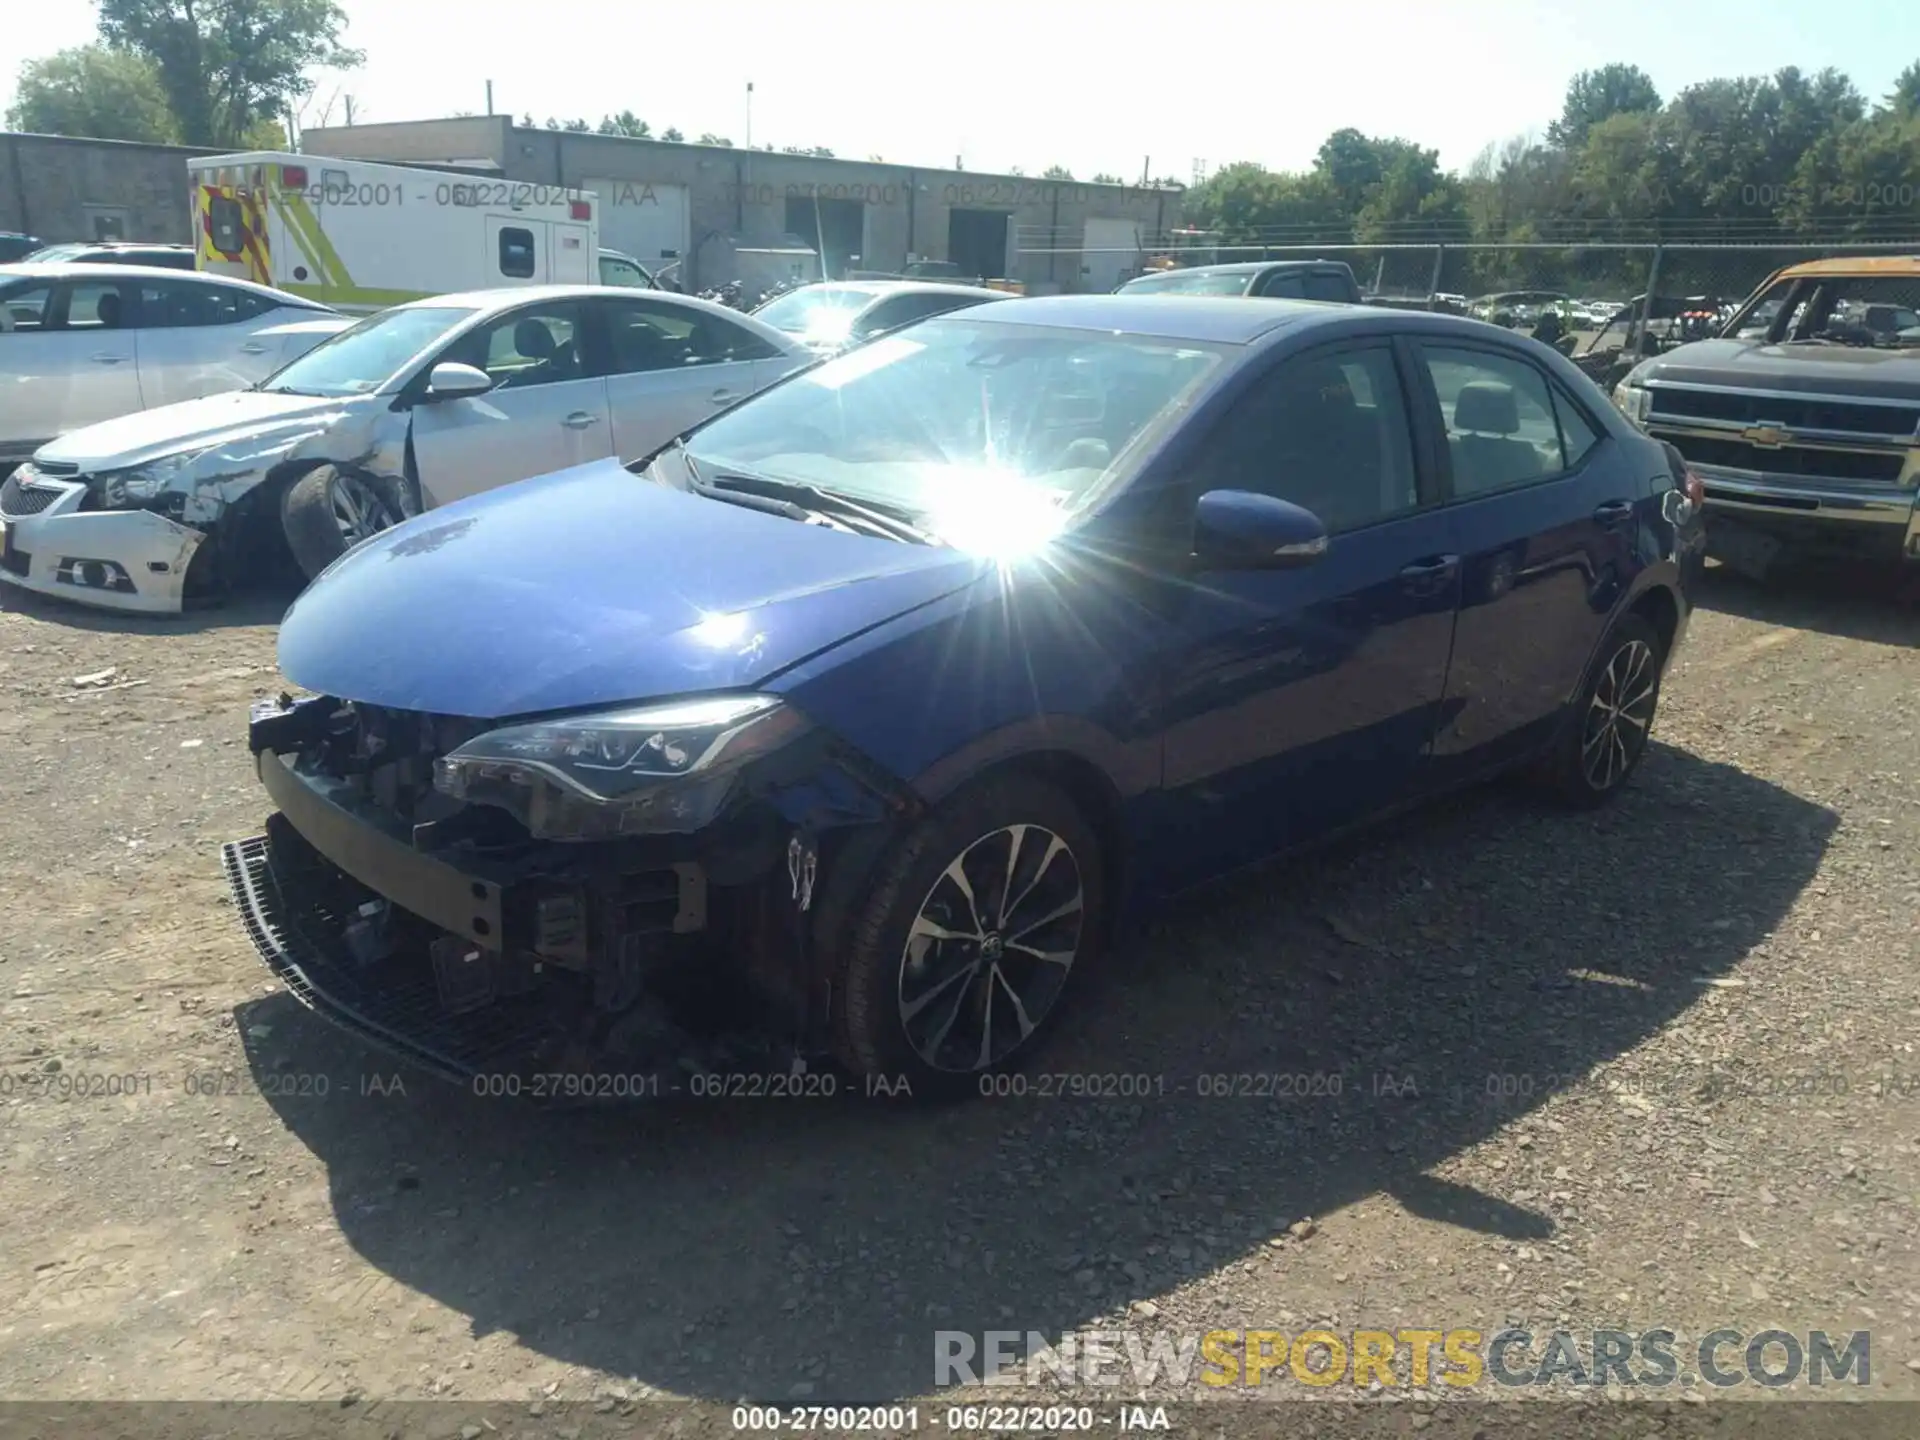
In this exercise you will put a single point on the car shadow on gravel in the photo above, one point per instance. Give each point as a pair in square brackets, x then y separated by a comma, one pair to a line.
[1880, 604]
[259, 604]
[1335, 1028]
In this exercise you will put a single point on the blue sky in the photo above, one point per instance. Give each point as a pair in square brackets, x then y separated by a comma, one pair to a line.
[1094, 87]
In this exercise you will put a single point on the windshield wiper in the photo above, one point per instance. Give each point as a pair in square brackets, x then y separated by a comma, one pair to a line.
[797, 499]
[833, 503]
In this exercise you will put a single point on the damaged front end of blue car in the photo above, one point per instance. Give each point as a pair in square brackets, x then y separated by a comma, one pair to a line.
[534, 794]
[545, 898]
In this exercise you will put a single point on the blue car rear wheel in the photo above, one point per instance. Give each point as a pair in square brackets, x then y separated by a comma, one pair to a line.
[1607, 733]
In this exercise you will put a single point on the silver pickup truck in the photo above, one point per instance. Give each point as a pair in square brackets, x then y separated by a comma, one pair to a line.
[1803, 416]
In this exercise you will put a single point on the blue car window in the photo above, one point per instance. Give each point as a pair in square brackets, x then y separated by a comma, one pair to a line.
[1327, 432]
[1501, 430]
[1577, 433]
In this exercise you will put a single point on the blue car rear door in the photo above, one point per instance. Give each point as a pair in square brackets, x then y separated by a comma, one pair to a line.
[1542, 512]
[1296, 701]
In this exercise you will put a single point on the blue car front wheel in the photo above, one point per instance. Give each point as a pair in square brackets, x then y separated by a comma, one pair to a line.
[965, 951]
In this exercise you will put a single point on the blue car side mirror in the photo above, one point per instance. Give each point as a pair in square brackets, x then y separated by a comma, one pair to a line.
[1245, 530]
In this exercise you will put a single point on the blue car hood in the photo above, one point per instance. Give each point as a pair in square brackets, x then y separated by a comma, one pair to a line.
[592, 586]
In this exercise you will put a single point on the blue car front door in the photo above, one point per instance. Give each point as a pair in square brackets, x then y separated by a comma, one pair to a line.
[1297, 701]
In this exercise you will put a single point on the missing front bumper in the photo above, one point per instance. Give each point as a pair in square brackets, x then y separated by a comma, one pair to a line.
[544, 1037]
[297, 909]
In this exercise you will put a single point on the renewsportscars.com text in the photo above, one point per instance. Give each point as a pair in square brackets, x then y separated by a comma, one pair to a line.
[1455, 1357]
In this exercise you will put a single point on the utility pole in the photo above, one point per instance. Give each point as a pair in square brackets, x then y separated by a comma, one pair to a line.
[349, 109]
[1146, 169]
[749, 114]
[489, 97]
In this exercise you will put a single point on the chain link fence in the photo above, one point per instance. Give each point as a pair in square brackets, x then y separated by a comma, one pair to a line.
[1597, 290]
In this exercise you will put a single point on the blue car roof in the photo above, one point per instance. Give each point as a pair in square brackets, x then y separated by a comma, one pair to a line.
[1214, 319]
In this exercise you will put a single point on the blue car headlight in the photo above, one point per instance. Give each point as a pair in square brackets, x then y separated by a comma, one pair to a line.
[647, 770]
[142, 484]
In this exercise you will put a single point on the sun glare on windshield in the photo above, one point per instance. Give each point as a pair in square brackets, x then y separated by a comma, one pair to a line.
[993, 438]
[994, 513]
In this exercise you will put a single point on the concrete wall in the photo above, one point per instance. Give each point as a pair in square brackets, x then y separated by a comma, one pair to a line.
[744, 193]
[61, 188]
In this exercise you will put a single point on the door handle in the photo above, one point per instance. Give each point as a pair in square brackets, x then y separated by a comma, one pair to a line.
[1614, 512]
[253, 348]
[105, 359]
[579, 420]
[723, 397]
[1423, 577]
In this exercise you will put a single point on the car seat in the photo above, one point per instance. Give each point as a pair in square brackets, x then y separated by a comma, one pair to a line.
[640, 345]
[1329, 448]
[534, 339]
[1487, 454]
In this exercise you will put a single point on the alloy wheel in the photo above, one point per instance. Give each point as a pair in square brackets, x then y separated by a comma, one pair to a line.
[990, 948]
[1619, 717]
[358, 509]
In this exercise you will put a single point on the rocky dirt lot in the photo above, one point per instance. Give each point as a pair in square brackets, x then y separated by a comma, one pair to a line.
[1651, 1067]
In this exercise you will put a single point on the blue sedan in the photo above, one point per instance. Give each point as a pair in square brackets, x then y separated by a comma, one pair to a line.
[893, 692]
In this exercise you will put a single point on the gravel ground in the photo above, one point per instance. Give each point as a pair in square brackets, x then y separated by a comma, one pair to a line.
[1650, 1067]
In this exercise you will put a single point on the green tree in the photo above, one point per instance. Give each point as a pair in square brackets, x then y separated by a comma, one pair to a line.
[1905, 97]
[1249, 204]
[626, 123]
[265, 135]
[91, 90]
[1623, 174]
[1352, 164]
[1056, 172]
[707, 137]
[1597, 95]
[226, 65]
[1855, 182]
[672, 135]
[1105, 178]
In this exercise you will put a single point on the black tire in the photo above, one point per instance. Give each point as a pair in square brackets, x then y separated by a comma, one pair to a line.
[1596, 753]
[327, 511]
[913, 890]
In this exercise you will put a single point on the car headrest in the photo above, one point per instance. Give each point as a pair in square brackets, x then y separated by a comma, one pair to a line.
[534, 340]
[1319, 387]
[1486, 406]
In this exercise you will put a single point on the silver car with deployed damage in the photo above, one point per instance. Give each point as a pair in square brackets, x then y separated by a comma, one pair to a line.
[408, 409]
[84, 343]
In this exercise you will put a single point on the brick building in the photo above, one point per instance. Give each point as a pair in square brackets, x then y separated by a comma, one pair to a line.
[61, 188]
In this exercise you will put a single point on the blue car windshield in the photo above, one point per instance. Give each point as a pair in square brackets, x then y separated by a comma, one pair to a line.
[965, 420]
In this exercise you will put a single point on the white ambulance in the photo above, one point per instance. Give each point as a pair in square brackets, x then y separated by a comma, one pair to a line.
[360, 236]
